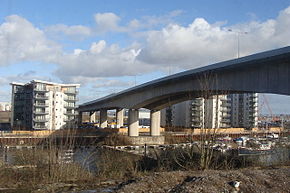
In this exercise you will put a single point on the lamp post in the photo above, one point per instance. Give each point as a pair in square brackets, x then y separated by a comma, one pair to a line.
[238, 33]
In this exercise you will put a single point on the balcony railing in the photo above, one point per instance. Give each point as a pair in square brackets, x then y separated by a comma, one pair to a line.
[196, 125]
[69, 120]
[70, 113]
[198, 114]
[41, 104]
[70, 99]
[40, 112]
[69, 106]
[225, 110]
[225, 120]
[41, 97]
[70, 91]
[40, 120]
[196, 103]
[40, 127]
[40, 90]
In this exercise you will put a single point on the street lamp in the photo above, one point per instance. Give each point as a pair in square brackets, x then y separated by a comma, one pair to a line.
[238, 33]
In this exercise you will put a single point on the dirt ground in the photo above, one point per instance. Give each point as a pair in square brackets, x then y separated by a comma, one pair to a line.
[252, 180]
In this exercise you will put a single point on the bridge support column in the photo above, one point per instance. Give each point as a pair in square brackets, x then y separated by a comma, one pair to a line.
[155, 123]
[80, 118]
[133, 123]
[103, 118]
[93, 116]
[119, 117]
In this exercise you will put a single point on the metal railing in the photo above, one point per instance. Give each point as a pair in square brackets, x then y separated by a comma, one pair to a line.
[42, 97]
[41, 104]
[40, 120]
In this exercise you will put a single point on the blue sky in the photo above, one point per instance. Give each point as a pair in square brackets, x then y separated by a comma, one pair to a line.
[108, 46]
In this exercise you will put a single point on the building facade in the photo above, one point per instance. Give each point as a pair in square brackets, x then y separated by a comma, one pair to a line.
[245, 110]
[41, 105]
[219, 111]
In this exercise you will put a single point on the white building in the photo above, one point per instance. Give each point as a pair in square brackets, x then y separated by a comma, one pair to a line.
[5, 106]
[245, 110]
[42, 105]
[218, 112]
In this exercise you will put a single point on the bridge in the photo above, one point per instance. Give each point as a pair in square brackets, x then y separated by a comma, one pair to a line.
[266, 72]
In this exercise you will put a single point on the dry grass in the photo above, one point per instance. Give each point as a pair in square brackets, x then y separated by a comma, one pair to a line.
[115, 165]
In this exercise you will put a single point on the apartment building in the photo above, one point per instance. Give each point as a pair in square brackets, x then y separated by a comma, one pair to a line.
[244, 110]
[200, 113]
[220, 111]
[42, 105]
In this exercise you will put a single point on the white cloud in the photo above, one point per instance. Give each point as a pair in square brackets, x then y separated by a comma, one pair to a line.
[96, 48]
[21, 41]
[107, 22]
[106, 83]
[101, 60]
[22, 77]
[74, 31]
[201, 43]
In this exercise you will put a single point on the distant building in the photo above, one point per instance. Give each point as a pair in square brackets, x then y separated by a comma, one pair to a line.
[200, 113]
[5, 106]
[42, 105]
[245, 110]
[219, 111]
[144, 117]
[5, 120]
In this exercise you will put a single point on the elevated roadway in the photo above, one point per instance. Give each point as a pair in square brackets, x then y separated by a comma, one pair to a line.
[266, 72]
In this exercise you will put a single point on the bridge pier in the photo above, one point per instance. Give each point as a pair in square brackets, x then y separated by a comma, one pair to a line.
[93, 116]
[103, 118]
[120, 117]
[133, 123]
[80, 118]
[155, 123]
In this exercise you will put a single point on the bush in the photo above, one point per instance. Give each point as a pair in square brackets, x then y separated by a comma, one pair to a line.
[115, 164]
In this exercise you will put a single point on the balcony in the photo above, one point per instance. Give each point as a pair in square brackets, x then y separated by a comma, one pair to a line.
[199, 114]
[196, 120]
[40, 90]
[226, 110]
[224, 104]
[40, 127]
[41, 97]
[226, 116]
[40, 112]
[70, 91]
[69, 120]
[196, 103]
[37, 120]
[196, 110]
[41, 104]
[196, 125]
[69, 106]
[71, 113]
[225, 120]
[70, 99]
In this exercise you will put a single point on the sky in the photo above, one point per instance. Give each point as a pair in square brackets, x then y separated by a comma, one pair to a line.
[110, 45]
